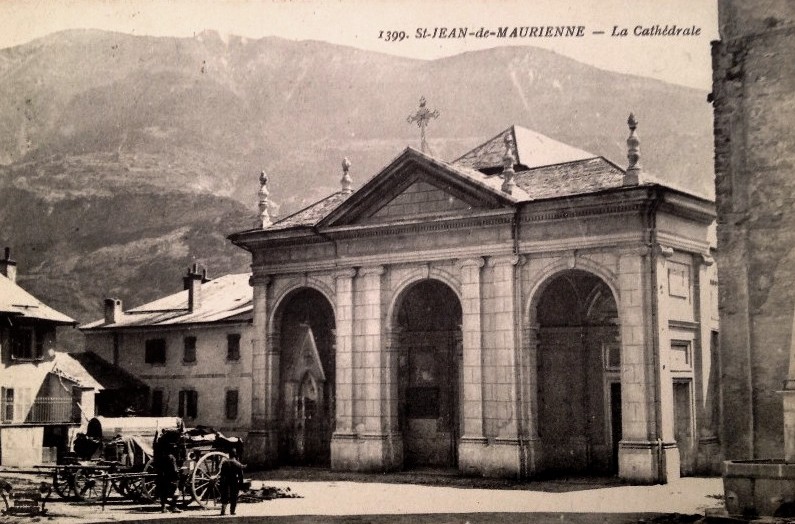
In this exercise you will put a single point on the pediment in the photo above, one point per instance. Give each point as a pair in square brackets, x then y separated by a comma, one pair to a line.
[415, 187]
[305, 357]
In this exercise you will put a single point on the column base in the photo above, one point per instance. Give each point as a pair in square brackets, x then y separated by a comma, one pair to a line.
[498, 458]
[366, 452]
[709, 457]
[261, 448]
[647, 462]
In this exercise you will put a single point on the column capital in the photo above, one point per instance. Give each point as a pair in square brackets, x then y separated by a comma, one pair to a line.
[504, 260]
[259, 280]
[348, 272]
[371, 270]
[471, 262]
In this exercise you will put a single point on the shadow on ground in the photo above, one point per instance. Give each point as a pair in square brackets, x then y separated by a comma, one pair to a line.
[447, 478]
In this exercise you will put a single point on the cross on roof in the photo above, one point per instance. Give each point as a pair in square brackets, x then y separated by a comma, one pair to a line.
[422, 117]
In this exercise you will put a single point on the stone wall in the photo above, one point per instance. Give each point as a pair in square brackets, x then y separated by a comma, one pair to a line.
[754, 105]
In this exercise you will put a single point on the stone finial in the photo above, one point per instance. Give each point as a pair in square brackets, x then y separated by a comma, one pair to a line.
[508, 173]
[264, 215]
[346, 181]
[632, 175]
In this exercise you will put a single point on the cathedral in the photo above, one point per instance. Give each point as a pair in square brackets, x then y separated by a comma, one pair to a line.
[529, 308]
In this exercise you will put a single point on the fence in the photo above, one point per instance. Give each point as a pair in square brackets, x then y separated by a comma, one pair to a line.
[43, 410]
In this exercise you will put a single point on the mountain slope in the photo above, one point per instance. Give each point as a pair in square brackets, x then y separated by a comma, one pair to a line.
[124, 158]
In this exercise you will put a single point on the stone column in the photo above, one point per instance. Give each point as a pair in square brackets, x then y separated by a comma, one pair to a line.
[343, 445]
[379, 448]
[646, 452]
[529, 386]
[472, 441]
[261, 444]
[704, 373]
[503, 456]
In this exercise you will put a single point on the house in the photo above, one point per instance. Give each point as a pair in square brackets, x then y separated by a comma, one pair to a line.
[528, 308]
[45, 394]
[191, 350]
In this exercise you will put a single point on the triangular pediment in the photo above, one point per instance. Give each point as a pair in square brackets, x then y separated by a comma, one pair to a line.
[416, 186]
[305, 357]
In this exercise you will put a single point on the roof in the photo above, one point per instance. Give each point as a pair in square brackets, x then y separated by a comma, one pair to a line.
[545, 168]
[529, 149]
[571, 178]
[71, 367]
[104, 374]
[15, 301]
[224, 298]
[32, 374]
[312, 214]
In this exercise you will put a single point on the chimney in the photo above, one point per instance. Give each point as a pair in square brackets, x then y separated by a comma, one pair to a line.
[113, 310]
[193, 283]
[8, 267]
[632, 174]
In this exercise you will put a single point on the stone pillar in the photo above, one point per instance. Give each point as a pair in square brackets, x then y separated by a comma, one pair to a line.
[379, 448]
[472, 441]
[261, 443]
[343, 444]
[647, 452]
[704, 373]
[502, 457]
[529, 387]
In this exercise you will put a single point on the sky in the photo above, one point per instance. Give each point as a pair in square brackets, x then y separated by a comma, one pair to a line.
[365, 24]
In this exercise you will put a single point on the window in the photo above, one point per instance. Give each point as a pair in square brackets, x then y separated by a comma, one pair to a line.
[611, 356]
[7, 404]
[155, 351]
[188, 403]
[233, 346]
[189, 355]
[231, 404]
[157, 403]
[25, 344]
[681, 355]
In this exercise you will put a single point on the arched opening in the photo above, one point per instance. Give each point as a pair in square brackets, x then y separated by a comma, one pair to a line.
[428, 330]
[307, 378]
[579, 375]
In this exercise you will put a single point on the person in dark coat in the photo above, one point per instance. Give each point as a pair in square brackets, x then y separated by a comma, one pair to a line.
[230, 480]
[167, 470]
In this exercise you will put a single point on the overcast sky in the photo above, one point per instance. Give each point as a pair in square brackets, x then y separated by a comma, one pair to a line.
[683, 60]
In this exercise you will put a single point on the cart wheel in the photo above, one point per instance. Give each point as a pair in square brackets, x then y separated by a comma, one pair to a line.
[62, 483]
[86, 484]
[143, 488]
[204, 482]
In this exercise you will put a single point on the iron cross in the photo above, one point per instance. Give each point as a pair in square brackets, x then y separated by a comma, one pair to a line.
[422, 117]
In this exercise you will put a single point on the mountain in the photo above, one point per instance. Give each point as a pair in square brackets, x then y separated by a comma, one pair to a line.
[124, 158]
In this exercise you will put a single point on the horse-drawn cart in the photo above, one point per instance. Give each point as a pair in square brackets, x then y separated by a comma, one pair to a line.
[118, 454]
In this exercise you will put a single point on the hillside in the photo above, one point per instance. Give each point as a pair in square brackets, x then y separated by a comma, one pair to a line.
[123, 158]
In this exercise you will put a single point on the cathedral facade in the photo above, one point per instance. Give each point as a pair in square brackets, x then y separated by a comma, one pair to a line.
[528, 308]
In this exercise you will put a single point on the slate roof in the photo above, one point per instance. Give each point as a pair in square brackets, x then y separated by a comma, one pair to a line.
[15, 301]
[312, 214]
[224, 298]
[571, 178]
[545, 168]
[529, 149]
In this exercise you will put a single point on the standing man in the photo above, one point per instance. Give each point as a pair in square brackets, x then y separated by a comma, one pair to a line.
[231, 480]
[167, 471]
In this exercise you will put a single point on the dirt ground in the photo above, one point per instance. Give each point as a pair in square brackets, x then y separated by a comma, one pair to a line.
[409, 497]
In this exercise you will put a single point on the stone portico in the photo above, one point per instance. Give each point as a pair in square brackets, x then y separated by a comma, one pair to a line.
[527, 308]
